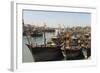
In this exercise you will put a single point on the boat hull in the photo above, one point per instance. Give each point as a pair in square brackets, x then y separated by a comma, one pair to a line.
[74, 54]
[46, 53]
[77, 54]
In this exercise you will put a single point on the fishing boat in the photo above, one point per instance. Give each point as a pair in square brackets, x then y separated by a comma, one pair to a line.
[72, 48]
[45, 52]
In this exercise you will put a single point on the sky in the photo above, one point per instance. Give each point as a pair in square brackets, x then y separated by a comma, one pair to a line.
[53, 19]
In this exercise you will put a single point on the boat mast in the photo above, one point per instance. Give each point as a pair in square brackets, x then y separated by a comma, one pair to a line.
[65, 56]
[44, 34]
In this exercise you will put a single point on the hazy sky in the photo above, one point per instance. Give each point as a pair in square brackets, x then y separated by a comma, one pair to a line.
[52, 19]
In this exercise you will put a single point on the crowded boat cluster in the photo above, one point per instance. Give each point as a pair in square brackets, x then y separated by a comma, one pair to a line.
[68, 43]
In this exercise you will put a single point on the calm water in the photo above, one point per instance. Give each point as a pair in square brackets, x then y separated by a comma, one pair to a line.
[26, 54]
